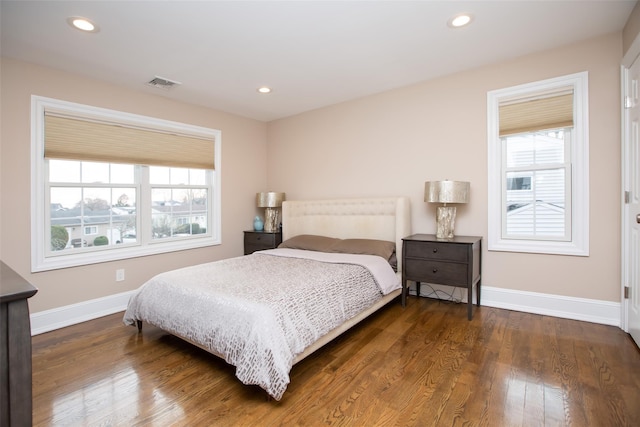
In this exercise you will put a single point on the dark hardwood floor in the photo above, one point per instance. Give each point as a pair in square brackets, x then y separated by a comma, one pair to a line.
[424, 365]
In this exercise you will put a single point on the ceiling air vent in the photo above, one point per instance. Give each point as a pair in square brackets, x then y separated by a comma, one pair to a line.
[162, 83]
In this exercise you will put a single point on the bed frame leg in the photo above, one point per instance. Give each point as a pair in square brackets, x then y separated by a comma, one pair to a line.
[139, 325]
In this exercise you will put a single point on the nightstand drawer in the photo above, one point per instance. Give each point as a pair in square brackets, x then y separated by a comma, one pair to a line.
[260, 240]
[450, 273]
[436, 251]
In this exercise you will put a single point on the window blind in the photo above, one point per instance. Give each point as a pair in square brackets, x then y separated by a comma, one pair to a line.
[534, 113]
[84, 139]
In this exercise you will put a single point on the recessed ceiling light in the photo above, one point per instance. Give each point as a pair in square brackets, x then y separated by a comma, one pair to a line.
[264, 89]
[460, 20]
[82, 24]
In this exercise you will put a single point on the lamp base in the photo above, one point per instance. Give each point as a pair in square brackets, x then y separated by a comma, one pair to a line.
[271, 220]
[445, 222]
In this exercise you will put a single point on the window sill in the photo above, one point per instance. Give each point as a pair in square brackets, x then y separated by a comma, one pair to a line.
[40, 263]
[538, 247]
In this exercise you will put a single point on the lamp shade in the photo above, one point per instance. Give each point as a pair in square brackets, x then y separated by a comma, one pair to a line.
[446, 191]
[269, 199]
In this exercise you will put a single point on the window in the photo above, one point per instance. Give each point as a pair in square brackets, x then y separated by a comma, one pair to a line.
[538, 167]
[540, 211]
[516, 182]
[90, 230]
[108, 185]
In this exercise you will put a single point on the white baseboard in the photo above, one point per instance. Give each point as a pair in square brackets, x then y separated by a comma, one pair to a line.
[588, 310]
[49, 320]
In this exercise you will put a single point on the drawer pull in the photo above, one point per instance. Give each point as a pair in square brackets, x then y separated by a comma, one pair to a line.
[435, 270]
[435, 250]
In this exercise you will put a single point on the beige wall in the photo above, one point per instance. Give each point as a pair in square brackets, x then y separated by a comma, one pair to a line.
[243, 174]
[391, 143]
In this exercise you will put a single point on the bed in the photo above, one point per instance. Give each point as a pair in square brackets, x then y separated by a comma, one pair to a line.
[340, 261]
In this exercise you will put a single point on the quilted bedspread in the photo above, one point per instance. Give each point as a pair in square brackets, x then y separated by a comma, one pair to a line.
[259, 311]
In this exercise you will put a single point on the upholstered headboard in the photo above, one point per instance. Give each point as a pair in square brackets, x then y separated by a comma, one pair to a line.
[386, 218]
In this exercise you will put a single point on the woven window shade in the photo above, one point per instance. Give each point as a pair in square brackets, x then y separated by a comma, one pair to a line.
[79, 139]
[536, 113]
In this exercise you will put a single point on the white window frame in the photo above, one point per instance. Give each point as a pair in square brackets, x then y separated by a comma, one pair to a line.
[579, 152]
[41, 260]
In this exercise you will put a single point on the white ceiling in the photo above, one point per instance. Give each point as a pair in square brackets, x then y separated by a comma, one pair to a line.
[312, 53]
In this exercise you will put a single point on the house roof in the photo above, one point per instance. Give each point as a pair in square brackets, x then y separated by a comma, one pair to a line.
[72, 217]
[312, 53]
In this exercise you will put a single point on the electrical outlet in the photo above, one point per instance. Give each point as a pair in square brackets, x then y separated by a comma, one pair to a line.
[120, 275]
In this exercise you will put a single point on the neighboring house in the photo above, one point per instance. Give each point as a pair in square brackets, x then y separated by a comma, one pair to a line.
[519, 219]
[171, 215]
[118, 223]
[83, 229]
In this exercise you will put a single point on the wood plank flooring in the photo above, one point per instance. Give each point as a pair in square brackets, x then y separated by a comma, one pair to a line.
[424, 365]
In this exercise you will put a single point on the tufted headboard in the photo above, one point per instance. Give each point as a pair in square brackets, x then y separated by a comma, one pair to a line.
[386, 218]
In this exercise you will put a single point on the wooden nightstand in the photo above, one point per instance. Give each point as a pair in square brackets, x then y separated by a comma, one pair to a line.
[456, 262]
[261, 240]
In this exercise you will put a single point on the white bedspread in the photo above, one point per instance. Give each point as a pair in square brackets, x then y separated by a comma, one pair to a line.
[259, 311]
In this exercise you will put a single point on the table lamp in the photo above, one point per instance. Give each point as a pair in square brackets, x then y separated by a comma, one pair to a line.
[271, 201]
[446, 192]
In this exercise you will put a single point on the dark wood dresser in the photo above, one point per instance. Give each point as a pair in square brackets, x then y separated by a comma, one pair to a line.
[261, 240]
[454, 262]
[15, 352]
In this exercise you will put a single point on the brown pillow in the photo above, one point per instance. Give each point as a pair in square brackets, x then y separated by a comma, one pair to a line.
[381, 248]
[310, 242]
